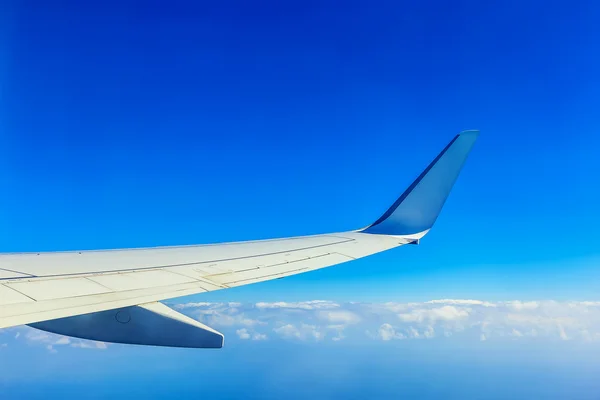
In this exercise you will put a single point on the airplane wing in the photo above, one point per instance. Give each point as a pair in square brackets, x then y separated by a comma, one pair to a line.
[114, 295]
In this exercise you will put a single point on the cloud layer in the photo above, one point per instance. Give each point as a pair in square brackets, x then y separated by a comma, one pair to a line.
[320, 320]
[326, 321]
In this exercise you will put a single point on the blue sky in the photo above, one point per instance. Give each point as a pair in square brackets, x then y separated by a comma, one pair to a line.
[128, 124]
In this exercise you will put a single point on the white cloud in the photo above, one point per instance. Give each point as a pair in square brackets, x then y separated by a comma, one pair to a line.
[50, 340]
[288, 331]
[301, 332]
[588, 303]
[243, 334]
[429, 332]
[221, 314]
[339, 317]
[516, 333]
[191, 305]
[413, 333]
[462, 302]
[435, 319]
[446, 313]
[63, 340]
[387, 332]
[88, 344]
[219, 319]
[520, 305]
[562, 333]
[303, 305]
[259, 336]
[34, 335]
[328, 321]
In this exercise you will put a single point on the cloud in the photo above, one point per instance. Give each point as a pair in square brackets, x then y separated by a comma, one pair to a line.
[88, 344]
[516, 333]
[63, 340]
[324, 321]
[303, 305]
[190, 305]
[288, 330]
[387, 332]
[445, 313]
[520, 305]
[243, 334]
[462, 302]
[51, 341]
[204, 304]
[429, 332]
[219, 314]
[340, 317]
[259, 336]
[38, 336]
[562, 333]
[220, 319]
[301, 332]
[444, 319]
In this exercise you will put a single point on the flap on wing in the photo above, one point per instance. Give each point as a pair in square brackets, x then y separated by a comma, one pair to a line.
[149, 324]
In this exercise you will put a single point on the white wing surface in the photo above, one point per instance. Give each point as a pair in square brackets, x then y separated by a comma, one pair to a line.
[112, 295]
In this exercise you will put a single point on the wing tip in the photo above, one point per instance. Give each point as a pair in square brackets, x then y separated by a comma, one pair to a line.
[416, 210]
[469, 132]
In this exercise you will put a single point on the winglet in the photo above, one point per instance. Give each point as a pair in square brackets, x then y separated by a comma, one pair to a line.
[415, 212]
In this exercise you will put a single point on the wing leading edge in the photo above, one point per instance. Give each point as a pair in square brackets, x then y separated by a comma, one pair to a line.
[82, 294]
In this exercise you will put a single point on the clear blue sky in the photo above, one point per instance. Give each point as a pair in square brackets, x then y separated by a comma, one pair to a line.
[137, 124]
[127, 124]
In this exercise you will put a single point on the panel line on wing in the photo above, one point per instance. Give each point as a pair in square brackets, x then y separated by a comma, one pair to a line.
[97, 304]
[199, 279]
[20, 275]
[93, 281]
[284, 269]
[264, 267]
[16, 291]
[292, 271]
[87, 273]
[260, 267]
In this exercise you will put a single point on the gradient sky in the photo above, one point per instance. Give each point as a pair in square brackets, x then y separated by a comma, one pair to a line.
[126, 124]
